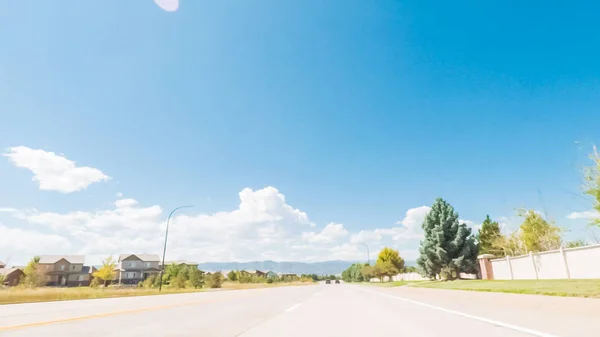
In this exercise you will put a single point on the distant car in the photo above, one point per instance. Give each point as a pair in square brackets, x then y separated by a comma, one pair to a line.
[327, 281]
[337, 281]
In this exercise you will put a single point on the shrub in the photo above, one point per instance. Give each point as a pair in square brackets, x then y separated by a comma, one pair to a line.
[95, 282]
[178, 282]
[149, 282]
[214, 280]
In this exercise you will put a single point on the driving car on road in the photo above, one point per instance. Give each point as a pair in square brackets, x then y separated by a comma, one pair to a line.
[327, 281]
[337, 281]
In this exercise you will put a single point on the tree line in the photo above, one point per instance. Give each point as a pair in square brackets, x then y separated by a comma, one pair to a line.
[388, 264]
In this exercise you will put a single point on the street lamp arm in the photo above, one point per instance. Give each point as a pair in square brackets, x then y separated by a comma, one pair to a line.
[162, 269]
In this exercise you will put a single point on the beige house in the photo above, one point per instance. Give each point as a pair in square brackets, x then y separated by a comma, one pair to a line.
[64, 270]
[135, 268]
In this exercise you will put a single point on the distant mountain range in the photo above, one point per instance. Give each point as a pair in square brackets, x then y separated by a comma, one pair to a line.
[319, 268]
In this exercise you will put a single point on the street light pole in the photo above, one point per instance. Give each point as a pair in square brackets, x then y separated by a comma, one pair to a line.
[162, 269]
[368, 254]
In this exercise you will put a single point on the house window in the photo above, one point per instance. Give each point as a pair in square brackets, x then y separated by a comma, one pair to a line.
[80, 277]
[62, 267]
[147, 264]
[72, 267]
[132, 264]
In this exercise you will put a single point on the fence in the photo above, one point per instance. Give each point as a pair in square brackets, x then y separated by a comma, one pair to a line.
[564, 263]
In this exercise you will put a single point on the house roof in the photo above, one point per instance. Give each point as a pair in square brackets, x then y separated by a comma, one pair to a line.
[2, 263]
[51, 259]
[8, 271]
[88, 269]
[189, 263]
[144, 257]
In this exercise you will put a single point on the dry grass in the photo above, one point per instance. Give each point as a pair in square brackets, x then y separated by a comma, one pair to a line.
[46, 294]
[571, 288]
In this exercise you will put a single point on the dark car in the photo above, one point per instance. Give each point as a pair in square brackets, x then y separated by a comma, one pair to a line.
[327, 281]
[337, 281]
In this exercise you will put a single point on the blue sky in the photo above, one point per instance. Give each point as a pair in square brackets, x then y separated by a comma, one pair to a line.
[356, 111]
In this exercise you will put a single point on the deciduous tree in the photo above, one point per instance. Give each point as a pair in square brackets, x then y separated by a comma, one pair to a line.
[392, 256]
[33, 276]
[537, 234]
[107, 272]
[576, 243]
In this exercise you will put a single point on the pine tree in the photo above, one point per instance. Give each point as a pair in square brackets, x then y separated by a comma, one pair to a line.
[448, 247]
[487, 237]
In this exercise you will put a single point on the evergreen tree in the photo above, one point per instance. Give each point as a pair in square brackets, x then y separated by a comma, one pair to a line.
[448, 248]
[487, 237]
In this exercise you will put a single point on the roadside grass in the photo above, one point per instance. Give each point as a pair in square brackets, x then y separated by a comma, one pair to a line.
[571, 288]
[14, 295]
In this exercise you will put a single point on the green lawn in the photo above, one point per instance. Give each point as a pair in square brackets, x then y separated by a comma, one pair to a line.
[574, 288]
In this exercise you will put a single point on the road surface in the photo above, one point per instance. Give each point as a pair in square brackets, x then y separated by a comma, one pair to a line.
[320, 310]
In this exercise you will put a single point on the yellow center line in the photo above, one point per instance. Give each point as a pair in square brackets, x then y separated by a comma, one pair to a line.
[107, 314]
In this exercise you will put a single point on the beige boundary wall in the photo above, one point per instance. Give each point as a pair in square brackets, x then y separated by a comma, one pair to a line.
[564, 263]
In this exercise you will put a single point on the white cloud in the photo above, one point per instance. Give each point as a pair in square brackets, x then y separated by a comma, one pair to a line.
[168, 5]
[124, 203]
[410, 229]
[330, 233]
[54, 172]
[263, 226]
[21, 244]
[584, 215]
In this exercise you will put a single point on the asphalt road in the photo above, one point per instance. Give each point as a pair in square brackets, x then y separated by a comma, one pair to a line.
[320, 310]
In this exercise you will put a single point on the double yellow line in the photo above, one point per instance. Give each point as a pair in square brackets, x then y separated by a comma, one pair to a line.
[108, 314]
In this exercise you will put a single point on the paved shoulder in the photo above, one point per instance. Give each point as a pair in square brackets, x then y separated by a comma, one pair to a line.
[552, 315]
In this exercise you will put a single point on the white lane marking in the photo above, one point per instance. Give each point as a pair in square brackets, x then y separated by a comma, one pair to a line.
[478, 318]
[293, 307]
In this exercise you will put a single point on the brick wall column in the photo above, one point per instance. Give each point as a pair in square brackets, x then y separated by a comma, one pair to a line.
[487, 271]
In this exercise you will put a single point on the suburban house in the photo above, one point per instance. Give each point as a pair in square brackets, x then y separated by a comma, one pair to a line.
[182, 262]
[135, 268]
[271, 274]
[64, 270]
[254, 272]
[12, 276]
